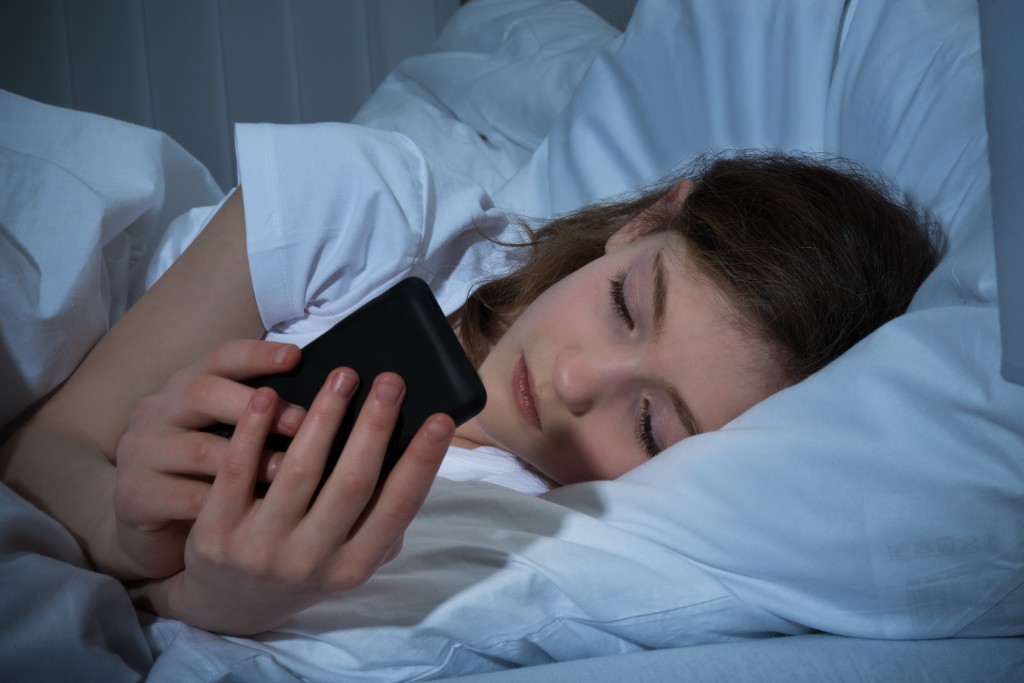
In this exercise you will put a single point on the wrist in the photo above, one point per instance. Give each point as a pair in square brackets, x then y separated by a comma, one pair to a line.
[153, 596]
[69, 478]
[178, 597]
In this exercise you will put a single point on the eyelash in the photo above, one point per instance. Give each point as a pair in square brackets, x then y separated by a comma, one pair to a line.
[644, 431]
[618, 294]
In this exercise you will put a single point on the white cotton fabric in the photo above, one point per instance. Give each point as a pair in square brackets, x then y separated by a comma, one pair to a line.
[335, 214]
[500, 74]
[494, 466]
[82, 199]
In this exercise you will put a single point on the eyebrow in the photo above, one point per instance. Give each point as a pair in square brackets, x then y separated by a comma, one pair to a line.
[660, 293]
[683, 413]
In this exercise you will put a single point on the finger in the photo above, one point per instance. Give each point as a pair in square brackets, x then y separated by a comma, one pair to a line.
[407, 486]
[157, 500]
[354, 479]
[199, 455]
[270, 465]
[183, 454]
[243, 359]
[400, 498]
[205, 400]
[231, 495]
[394, 550]
[303, 466]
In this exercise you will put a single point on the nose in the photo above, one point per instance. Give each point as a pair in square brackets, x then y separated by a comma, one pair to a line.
[583, 378]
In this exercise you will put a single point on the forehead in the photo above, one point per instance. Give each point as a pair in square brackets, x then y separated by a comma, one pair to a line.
[713, 359]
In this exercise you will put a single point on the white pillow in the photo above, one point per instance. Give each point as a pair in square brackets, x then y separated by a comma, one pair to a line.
[881, 497]
[685, 78]
[500, 73]
[907, 100]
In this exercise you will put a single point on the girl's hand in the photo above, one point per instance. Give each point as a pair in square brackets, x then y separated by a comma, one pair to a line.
[165, 467]
[252, 562]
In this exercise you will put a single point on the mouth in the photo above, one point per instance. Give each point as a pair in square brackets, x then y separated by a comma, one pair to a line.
[522, 390]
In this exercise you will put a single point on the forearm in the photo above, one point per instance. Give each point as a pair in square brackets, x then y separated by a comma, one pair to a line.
[77, 491]
[204, 298]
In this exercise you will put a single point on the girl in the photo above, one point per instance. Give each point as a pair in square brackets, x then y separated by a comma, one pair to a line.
[622, 329]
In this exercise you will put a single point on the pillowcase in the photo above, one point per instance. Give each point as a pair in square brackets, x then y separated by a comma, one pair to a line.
[881, 496]
[906, 99]
[500, 73]
[685, 78]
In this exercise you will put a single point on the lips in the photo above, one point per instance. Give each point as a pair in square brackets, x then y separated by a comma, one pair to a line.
[522, 390]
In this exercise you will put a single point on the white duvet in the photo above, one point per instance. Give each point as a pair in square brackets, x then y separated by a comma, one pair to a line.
[879, 498]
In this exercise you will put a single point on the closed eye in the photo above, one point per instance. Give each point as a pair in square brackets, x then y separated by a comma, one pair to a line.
[645, 431]
[618, 296]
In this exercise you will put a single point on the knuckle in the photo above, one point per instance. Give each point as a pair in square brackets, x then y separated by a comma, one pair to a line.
[180, 377]
[233, 468]
[377, 419]
[212, 549]
[220, 353]
[303, 470]
[127, 446]
[404, 507]
[141, 412]
[227, 550]
[352, 573]
[199, 390]
[321, 414]
[198, 455]
[194, 499]
[353, 485]
[301, 570]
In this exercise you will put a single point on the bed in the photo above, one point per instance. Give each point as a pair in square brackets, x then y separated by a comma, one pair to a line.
[867, 524]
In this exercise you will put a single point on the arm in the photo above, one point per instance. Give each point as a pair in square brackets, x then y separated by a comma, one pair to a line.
[62, 457]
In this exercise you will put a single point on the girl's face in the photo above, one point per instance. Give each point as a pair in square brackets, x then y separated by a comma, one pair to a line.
[618, 361]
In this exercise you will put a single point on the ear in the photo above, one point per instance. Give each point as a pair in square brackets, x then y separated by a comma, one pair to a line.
[640, 226]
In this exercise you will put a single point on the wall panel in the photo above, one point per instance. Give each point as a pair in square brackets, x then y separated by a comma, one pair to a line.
[34, 59]
[194, 68]
[108, 59]
[186, 69]
[332, 58]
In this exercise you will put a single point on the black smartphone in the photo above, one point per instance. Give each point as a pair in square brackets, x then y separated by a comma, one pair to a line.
[404, 331]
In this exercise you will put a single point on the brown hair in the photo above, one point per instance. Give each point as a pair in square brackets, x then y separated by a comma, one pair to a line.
[813, 253]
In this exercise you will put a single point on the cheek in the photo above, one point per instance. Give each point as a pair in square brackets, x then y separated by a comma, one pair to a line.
[600, 452]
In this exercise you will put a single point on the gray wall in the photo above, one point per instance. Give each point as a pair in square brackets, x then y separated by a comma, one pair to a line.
[1002, 53]
[194, 67]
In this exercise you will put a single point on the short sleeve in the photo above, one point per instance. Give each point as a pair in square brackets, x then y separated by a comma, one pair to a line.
[337, 213]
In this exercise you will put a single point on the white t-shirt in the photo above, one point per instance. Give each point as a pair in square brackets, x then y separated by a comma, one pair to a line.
[490, 464]
[335, 214]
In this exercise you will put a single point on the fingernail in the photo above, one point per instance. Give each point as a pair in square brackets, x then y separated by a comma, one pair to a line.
[343, 383]
[388, 391]
[281, 355]
[291, 418]
[261, 402]
[439, 430]
[273, 465]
